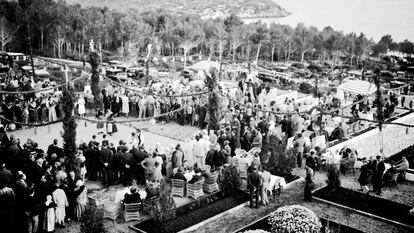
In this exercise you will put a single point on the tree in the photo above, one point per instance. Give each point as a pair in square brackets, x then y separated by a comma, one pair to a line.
[386, 40]
[69, 129]
[259, 36]
[231, 22]
[213, 99]
[220, 34]
[394, 46]
[350, 45]
[236, 40]
[407, 47]
[362, 46]
[378, 49]
[209, 28]
[303, 39]
[59, 41]
[94, 61]
[191, 36]
[6, 33]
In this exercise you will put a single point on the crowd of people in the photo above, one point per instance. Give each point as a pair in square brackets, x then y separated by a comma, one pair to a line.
[30, 107]
[374, 171]
[37, 192]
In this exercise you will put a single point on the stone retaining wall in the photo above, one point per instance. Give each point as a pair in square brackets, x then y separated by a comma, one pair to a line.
[392, 139]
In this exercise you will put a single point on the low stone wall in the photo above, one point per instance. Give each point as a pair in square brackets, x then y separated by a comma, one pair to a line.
[392, 139]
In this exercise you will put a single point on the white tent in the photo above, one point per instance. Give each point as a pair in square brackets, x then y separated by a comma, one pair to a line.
[205, 65]
[358, 87]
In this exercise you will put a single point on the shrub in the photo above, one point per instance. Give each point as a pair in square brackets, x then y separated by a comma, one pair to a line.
[333, 182]
[91, 221]
[294, 218]
[166, 209]
[230, 181]
[281, 161]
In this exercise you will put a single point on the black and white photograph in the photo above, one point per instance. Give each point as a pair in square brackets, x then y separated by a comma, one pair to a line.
[206, 116]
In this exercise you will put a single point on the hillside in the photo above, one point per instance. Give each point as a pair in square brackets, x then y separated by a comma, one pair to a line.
[204, 8]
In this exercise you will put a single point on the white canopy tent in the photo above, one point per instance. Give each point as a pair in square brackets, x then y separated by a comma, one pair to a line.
[205, 65]
[358, 87]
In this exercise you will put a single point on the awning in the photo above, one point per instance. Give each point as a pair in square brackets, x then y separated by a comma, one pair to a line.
[205, 65]
[358, 87]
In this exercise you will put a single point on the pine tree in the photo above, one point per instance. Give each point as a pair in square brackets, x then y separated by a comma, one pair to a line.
[213, 99]
[69, 128]
[94, 61]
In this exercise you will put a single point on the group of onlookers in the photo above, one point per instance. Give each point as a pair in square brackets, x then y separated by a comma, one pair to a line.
[31, 107]
[38, 191]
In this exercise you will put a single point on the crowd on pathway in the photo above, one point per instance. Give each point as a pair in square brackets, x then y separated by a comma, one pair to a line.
[35, 106]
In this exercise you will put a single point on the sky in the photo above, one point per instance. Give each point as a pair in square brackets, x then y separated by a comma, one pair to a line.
[375, 18]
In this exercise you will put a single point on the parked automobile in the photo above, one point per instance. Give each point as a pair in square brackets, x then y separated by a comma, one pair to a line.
[14, 60]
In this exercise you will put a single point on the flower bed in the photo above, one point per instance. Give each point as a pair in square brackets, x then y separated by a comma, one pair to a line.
[193, 213]
[327, 226]
[369, 204]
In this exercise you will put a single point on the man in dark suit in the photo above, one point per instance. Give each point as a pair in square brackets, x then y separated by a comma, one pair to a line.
[105, 157]
[5, 176]
[54, 149]
[287, 127]
[138, 156]
[211, 156]
[133, 197]
[127, 162]
[180, 174]
[263, 126]
[379, 168]
[254, 183]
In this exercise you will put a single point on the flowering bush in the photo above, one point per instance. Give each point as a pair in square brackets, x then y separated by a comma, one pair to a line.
[294, 219]
[256, 231]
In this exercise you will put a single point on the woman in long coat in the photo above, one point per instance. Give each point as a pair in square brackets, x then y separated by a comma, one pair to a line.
[309, 184]
[59, 197]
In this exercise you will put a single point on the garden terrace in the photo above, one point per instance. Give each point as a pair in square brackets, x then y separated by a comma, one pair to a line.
[366, 203]
[193, 213]
[235, 220]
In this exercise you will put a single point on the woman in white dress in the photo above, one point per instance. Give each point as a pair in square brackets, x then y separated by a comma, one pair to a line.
[125, 104]
[51, 104]
[81, 106]
[158, 166]
[188, 152]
